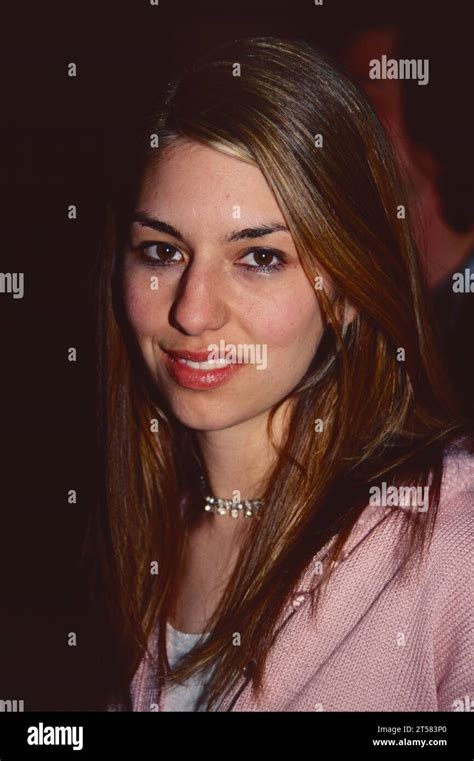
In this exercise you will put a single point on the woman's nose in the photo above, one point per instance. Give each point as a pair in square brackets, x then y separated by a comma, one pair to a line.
[199, 305]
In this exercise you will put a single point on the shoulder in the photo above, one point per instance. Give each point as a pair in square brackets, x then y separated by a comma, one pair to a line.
[452, 576]
[455, 517]
[451, 553]
[458, 465]
[445, 577]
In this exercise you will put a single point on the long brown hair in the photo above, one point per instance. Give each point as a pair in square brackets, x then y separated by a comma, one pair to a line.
[375, 382]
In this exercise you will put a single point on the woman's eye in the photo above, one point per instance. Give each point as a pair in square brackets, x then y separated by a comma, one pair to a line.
[264, 260]
[160, 254]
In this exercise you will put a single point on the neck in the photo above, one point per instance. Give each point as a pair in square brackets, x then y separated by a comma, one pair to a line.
[239, 461]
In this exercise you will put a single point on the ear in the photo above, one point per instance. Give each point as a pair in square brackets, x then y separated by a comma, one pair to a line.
[350, 313]
[345, 312]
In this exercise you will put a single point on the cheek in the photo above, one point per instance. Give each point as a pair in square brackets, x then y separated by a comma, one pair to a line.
[142, 303]
[291, 329]
[292, 323]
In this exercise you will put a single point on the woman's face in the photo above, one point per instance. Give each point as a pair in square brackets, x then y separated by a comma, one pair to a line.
[202, 274]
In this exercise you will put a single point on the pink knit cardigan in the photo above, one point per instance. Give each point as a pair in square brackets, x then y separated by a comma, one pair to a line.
[377, 644]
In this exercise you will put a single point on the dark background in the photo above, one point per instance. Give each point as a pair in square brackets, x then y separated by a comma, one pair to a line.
[59, 137]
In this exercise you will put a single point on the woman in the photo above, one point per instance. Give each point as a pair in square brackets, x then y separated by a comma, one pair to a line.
[288, 495]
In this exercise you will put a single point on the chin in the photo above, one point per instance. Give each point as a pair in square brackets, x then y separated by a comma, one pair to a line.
[208, 416]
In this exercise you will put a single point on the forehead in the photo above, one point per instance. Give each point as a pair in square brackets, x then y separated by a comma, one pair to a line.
[197, 185]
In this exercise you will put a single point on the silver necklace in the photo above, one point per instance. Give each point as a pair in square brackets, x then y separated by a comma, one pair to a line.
[246, 507]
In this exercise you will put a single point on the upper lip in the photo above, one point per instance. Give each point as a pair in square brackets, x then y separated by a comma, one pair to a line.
[193, 356]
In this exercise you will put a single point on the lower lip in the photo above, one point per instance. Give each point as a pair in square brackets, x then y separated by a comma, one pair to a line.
[189, 377]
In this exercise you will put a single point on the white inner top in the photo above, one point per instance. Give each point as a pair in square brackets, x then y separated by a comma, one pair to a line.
[182, 697]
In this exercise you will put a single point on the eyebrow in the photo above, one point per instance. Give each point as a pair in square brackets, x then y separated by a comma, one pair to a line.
[248, 232]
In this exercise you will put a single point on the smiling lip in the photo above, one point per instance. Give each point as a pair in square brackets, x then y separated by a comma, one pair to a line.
[192, 377]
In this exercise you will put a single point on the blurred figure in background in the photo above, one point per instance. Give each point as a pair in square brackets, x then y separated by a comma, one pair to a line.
[432, 129]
